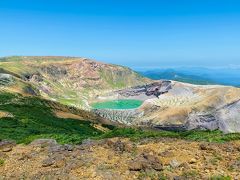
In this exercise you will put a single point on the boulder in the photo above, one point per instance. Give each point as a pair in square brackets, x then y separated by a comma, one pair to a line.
[145, 162]
[48, 162]
[6, 146]
[120, 146]
[44, 142]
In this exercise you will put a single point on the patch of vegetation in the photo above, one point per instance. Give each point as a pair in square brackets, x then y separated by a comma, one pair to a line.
[136, 134]
[34, 118]
[216, 159]
[190, 174]
[220, 177]
[151, 175]
[1, 162]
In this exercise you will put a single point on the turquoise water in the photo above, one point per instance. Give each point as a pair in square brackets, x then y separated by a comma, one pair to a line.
[118, 104]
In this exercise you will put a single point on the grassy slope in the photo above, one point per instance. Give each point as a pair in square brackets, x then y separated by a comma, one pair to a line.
[33, 118]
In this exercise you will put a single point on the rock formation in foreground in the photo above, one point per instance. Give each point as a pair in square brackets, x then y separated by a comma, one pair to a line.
[120, 159]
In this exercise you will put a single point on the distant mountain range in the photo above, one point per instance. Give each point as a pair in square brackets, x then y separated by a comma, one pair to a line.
[196, 75]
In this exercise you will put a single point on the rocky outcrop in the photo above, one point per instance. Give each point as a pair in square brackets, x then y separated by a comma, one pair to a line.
[202, 122]
[146, 91]
[146, 162]
[228, 117]
[6, 79]
[187, 107]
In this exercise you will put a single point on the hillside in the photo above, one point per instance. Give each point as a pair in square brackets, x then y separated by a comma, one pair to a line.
[80, 82]
[188, 106]
[24, 118]
[69, 80]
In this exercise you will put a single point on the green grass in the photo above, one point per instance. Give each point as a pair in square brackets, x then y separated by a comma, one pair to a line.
[220, 177]
[1, 162]
[207, 136]
[33, 119]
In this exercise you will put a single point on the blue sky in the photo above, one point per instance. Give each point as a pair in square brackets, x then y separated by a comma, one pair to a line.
[129, 32]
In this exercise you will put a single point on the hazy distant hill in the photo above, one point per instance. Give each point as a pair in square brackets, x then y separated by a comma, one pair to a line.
[197, 75]
[177, 76]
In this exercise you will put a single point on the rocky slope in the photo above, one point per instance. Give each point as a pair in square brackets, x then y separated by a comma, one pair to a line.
[196, 107]
[120, 159]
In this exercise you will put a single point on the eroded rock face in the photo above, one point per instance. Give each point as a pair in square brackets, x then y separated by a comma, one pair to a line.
[202, 122]
[6, 79]
[187, 107]
[146, 91]
[229, 117]
[121, 116]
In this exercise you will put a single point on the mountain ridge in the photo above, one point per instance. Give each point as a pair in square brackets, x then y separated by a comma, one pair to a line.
[79, 81]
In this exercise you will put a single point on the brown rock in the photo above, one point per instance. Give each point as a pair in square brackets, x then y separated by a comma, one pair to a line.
[120, 146]
[206, 146]
[48, 162]
[7, 149]
[166, 153]
[146, 161]
[135, 166]
[6, 146]
[192, 161]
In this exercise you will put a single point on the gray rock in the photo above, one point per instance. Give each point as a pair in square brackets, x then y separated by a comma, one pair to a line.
[6, 79]
[229, 119]
[44, 142]
[202, 121]
[68, 147]
[174, 163]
